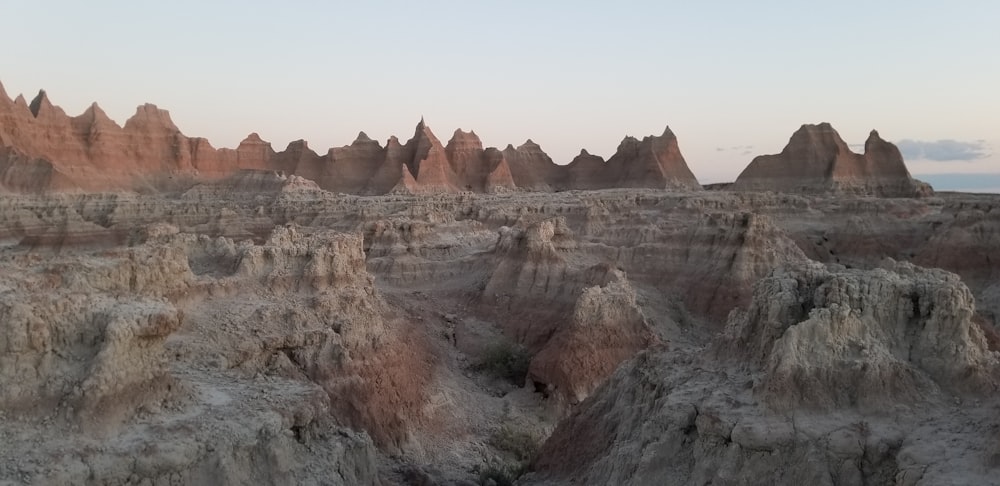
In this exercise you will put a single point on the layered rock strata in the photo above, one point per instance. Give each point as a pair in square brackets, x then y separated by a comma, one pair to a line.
[817, 160]
[43, 150]
[797, 390]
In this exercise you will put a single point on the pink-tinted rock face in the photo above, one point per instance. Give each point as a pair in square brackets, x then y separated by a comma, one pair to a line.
[46, 150]
[654, 162]
[92, 152]
[531, 168]
[351, 167]
[430, 165]
[816, 159]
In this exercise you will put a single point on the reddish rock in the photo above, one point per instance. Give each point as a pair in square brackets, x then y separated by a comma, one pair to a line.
[50, 151]
[499, 178]
[531, 168]
[254, 153]
[430, 165]
[587, 171]
[391, 170]
[655, 162]
[817, 160]
[351, 167]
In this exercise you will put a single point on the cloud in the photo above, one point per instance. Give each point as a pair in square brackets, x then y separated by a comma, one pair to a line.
[942, 150]
[744, 148]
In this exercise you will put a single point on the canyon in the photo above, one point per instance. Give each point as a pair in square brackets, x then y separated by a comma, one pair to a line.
[426, 313]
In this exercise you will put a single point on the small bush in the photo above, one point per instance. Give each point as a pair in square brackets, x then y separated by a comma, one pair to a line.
[505, 360]
[521, 444]
[501, 474]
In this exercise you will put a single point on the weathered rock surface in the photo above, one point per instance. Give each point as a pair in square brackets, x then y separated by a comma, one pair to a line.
[817, 160]
[142, 338]
[833, 339]
[606, 328]
[819, 357]
[276, 332]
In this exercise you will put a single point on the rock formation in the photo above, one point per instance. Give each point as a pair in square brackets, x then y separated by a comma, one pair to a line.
[862, 338]
[653, 162]
[44, 150]
[379, 314]
[826, 352]
[606, 328]
[817, 160]
[260, 329]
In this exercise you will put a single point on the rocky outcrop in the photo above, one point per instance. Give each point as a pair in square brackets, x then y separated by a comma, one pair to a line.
[92, 152]
[477, 169]
[272, 330]
[50, 151]
[833, 339]
[92, 343]
[710, 261]
[328, 327]
[817, 160]
[147, 336]
[654, 424]
[43, 150]
[606, 328]
[532, 280]
[796, 392]
[653, 162]
[580, 323]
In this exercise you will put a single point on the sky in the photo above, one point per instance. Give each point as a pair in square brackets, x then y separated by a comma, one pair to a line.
[732, 79]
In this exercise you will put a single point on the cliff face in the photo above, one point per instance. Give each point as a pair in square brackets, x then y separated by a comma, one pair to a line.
[817, 160]
[654, 162]
[44, 150]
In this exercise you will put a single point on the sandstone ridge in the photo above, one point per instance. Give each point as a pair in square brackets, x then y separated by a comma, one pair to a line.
[817, 160]
[42, 149]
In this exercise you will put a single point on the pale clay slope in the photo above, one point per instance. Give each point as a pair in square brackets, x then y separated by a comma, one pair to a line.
[283, 335]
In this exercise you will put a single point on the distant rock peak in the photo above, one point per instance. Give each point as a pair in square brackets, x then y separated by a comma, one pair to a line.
[253, 138]
[816, 159]
[39, 103]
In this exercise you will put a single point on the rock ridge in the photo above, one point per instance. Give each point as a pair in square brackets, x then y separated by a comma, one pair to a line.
[817, 160]
[44, 150]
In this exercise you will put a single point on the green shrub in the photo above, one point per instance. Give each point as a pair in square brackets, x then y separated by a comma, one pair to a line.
[505, 360]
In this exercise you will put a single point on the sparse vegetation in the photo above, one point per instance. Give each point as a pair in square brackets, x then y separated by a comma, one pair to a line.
[506, 361]
[521, 444]
[501, 474]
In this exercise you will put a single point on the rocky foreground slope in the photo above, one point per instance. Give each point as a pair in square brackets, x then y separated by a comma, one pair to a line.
[830, 376]
[261, 330]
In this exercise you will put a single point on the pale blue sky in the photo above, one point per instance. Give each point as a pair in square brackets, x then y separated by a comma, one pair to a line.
[736, 76]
